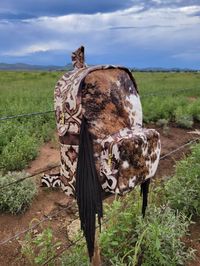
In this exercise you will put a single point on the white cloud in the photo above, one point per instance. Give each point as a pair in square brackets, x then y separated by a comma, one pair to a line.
[159, 29]
[34, 48]
[189, 10]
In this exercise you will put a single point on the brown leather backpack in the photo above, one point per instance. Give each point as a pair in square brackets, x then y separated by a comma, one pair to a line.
[104, 148]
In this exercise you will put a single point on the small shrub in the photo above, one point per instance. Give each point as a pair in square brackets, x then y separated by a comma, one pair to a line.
[162, 122]
[183, 189]
[161, 244]
[185, 121]
[77, 255]
[194, 109]
[128, 239]
[37, 249]
[155, 240]
[18, 197]
[47, 132]
[182, 118]
[18, 152]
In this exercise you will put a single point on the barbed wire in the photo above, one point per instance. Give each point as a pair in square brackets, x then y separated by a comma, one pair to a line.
[104, 222]
[73, 244]
[62, 251]
[25, 115]
[45, 169]
[179, 148]
[48, 217]
[158, 93]
[38, 172]
[55, 214]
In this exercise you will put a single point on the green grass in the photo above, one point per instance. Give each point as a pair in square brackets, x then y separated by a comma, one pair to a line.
[127, 238]
[17, 198]
[157, 82]
[183, 189]
[26, 92]
[182, 107]
[156, 240]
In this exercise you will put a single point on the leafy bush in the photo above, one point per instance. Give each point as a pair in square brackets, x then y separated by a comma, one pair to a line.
[161, 244]
[183, 189]
[77, 255]
[162, 122]
[20, 138]
[128, 239]
[40, 247]
[185, 121]
[194, 109]
[155, 240]
[16, 198]
[18, 152]
[183, 118]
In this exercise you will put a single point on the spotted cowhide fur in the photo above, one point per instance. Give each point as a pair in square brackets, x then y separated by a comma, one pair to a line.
[125, 153]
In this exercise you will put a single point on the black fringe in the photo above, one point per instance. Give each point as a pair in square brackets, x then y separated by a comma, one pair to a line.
[88, 188]
[144, 193]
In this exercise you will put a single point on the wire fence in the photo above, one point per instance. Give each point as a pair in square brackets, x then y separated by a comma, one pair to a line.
[152, 94]
[55, 214]
[25, 115]
[49, 217]
[52, 259]
[179, 148]
[40, 171]
[162, 92]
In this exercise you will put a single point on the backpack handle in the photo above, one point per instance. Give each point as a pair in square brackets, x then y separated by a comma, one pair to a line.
[78, 58]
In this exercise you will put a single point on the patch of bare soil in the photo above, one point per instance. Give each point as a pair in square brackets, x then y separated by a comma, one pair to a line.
[192, 98]
[48, 156]
[170, 140]
[50, 201]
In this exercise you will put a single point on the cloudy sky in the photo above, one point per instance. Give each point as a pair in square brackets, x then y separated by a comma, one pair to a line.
[135, 33]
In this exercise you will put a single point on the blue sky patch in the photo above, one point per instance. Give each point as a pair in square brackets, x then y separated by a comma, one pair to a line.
[135, 33]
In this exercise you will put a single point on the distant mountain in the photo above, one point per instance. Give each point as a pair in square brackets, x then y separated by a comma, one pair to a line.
[27, 67]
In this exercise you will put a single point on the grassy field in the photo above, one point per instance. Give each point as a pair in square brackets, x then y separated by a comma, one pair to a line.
[157, 239]
[25, 92]
[165, 97]
[174, 97]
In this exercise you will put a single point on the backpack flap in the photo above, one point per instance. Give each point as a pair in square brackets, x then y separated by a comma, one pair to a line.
[128, 158]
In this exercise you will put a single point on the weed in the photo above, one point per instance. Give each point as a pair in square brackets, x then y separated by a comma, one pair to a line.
[38, 248]
[162, 122]
[128, 239]
[155, 240]
[183, 118]
[183, 189]
[16, 198]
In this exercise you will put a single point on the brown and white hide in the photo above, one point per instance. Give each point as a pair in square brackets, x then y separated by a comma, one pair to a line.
[125, 153]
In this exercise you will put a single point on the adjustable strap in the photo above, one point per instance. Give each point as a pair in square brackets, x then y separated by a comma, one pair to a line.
[144, 193]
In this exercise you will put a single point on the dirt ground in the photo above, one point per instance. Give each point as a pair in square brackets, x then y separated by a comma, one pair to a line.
[49, 202]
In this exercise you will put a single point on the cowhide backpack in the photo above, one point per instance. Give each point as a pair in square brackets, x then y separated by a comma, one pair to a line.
[104, 148]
